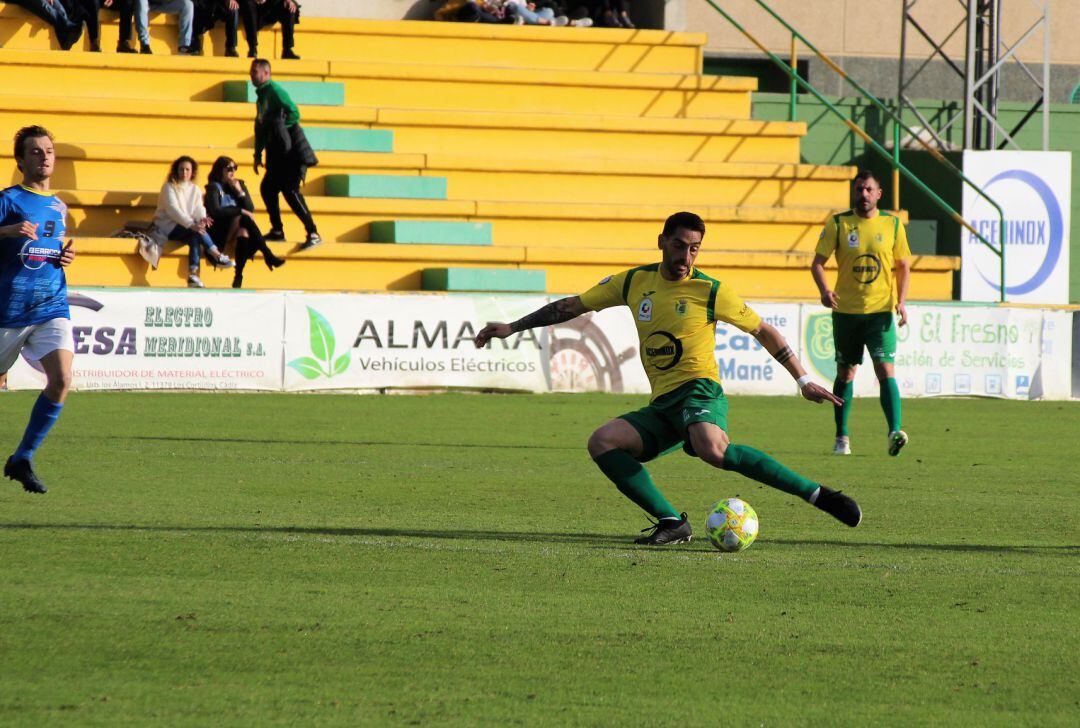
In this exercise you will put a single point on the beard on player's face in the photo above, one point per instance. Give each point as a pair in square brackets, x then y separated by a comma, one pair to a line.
[866, 197]
[36, 170]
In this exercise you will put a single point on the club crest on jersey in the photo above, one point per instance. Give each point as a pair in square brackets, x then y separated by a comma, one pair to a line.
[853, 239]
[680, 307]
[644, 310]
[879, 238]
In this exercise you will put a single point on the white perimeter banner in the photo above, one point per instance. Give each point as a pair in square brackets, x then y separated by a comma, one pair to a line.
[408, 341]
[150, 339]
[1017, 353]
[417, 341]
[425, 341]
[1033, 189]
[147, 339]
[745, 366]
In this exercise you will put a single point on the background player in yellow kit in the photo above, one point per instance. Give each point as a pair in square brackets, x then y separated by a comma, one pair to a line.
[871, 250]
[675, 308]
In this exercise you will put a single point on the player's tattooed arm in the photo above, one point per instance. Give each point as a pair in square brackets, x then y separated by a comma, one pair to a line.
[553, 313]
[783, 354]
[775, 344]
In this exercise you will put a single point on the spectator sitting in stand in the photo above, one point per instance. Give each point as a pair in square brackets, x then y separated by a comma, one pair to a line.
[183, 9]
[208, 12]
[125, 10]
[181, 216]
[525, 12]
[612, 13]
[257, 14]
[55, 14]
[86, 11]
[230, 207]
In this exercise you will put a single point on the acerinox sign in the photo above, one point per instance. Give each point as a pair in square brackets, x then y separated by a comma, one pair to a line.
[1033, 189]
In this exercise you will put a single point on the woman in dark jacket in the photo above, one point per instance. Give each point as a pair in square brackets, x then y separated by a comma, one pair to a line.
[229, 205]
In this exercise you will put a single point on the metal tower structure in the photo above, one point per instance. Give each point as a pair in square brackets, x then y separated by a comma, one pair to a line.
[980, 72]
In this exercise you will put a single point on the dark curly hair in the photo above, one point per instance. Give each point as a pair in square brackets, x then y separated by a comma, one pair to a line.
[174, 170]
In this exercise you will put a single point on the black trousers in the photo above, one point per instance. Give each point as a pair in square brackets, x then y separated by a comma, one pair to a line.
[289, 188]
[86, 11]
[125, 11]
[259, 16]
[205, 17]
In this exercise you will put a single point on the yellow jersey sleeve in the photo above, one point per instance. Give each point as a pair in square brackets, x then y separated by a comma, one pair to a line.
[605, 294]
[826, 243]
[900, 244]
[731, 309]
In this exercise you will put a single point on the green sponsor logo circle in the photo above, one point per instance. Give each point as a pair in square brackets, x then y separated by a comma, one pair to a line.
[818, 344]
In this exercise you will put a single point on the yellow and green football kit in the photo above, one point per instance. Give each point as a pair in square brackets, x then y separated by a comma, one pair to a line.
[676, 321]
[676, 324]
[866, 251]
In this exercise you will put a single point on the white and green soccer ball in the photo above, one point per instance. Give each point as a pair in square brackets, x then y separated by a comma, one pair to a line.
[732, 525]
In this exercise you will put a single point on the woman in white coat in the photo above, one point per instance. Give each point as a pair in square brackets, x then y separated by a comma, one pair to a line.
[181, 216]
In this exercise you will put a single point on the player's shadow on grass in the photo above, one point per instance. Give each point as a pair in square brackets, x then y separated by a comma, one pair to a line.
[977, 547]
[594, 540]
[358, 443]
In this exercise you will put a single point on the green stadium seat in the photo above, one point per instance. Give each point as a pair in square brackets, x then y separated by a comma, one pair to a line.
[433, 232]
[312, 93]
[329, 139]
[499, 280]
[386, 186]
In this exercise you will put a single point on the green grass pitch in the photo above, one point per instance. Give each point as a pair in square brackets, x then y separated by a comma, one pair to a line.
[458, 560]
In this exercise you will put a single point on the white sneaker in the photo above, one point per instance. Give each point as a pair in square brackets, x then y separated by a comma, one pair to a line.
[560, 20]
[193, 281]
[842, 446]
[897, 440]
[582, 23]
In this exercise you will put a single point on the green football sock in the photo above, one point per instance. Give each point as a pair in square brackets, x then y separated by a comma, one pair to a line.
[890, 403]
[845, 391]
[634, 482]
[762, 468]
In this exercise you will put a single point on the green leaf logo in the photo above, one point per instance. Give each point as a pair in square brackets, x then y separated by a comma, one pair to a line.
[322, 347]
[322, 335]
[308, 367]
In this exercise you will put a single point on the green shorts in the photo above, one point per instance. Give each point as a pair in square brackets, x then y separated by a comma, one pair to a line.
[662, 424]
[854, 331]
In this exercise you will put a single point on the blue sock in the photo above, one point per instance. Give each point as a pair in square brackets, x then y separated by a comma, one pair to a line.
[42, 418]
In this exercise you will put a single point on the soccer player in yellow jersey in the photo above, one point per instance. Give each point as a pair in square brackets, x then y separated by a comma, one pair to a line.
[871, 252]
[676, 307]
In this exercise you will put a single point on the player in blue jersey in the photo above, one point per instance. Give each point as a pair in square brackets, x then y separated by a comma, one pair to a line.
[34, 317]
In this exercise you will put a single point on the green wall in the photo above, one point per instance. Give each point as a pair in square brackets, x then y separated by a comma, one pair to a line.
[829, 141]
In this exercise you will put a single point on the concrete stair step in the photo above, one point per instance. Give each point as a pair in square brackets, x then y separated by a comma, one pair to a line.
[410, 42]
[563, 136]
[359, 267]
